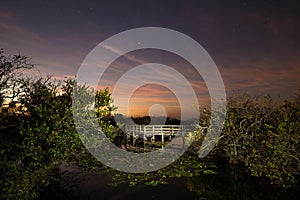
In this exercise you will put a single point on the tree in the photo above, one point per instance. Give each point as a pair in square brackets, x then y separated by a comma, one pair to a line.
[38, 134]
[104, 111]
[10, 70]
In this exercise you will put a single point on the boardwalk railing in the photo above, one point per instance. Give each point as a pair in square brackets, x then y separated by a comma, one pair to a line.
[150, 131]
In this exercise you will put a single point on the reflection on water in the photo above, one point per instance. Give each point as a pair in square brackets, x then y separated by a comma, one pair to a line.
[77, 183]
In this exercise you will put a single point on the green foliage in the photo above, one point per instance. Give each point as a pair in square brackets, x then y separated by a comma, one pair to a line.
[262, 138]
[104, 110]
[37, 131]
[189, 165]
[44, 136]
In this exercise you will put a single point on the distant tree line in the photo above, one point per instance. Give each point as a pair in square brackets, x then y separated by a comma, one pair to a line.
[145, 120]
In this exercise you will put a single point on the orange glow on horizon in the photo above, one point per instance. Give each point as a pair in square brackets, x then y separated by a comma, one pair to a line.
[148, 95]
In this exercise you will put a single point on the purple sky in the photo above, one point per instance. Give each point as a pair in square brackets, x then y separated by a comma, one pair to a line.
[255, 44]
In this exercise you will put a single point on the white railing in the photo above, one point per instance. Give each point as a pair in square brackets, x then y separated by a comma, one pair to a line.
[150, 131]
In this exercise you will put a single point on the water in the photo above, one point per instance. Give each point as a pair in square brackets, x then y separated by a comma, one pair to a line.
[78, 183]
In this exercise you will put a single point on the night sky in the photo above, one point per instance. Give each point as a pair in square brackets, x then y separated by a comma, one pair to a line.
[255, 44]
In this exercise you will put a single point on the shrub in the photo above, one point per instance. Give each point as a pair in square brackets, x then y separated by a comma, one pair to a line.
[37, 131]
[262, 138]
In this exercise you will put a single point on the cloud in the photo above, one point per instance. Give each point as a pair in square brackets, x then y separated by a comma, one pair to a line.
[59, 53]
[128, 56]
[5, 14]
[263, 80]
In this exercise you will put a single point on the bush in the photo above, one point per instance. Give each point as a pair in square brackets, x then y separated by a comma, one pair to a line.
[37, 131]
[262, 138]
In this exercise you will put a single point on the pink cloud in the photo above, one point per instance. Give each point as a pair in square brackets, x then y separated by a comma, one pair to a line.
[6, 14]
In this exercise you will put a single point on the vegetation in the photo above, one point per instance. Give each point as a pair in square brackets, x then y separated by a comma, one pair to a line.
[36, 129]
[263, 138]
[259, 138]
[145, 120]
[187, 166]
[38, 134]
